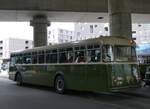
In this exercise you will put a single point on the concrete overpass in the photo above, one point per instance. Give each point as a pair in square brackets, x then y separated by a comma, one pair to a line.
[68, 10]
[42, 11]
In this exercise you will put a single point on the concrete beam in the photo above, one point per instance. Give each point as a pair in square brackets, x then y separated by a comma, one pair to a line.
[137, 6]
[55, 5]
[65, 10]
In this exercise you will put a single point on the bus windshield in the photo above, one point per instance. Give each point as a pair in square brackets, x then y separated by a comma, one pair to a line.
[107, 53]
[125, 53]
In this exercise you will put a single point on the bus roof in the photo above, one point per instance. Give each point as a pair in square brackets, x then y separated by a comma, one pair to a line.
[111, 40]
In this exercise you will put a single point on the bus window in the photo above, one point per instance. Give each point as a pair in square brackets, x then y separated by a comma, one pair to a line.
[48, 56]
[34, 57]
[12, 61]
[124, 53]
[94, 55]
[107, 51]
[19, 59]
[62, 57]
[53, 56]
[41, 56]
[28, 58]
[80, 56]
[70, 55]
[90, 46]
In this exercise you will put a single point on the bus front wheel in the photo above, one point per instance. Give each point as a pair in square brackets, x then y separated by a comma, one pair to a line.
[19, 79]
[59, 84]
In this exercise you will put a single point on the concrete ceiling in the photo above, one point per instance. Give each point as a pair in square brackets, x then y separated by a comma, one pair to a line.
[69, 10]
[67, 16]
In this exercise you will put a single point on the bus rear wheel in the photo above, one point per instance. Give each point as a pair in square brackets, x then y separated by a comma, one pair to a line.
[19, 79]
[59, 84]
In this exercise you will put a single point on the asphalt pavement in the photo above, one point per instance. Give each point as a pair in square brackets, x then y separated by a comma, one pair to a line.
[34, 97]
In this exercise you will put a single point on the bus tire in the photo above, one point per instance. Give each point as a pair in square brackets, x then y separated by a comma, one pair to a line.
[19, 79]
[60, 84]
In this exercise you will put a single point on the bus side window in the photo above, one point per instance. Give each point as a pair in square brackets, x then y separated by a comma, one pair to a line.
[48, 59]
[53, 56]
[28, 58]
[12, 61]
[19, 59]
[34, 57]
[62, 56]
[41, 57]
[80, 55]
[94, 53]
[69, 55]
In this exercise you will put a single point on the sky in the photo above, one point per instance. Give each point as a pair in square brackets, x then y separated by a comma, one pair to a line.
[23, 30]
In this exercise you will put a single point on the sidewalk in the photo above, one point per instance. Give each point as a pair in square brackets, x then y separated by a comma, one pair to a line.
[4, 74]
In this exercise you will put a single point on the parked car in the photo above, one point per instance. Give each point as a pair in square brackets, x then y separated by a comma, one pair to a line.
[4, 67]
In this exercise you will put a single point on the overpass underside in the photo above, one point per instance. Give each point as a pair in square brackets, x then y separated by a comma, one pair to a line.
[119, 13]
[54, 16]
[68, 10]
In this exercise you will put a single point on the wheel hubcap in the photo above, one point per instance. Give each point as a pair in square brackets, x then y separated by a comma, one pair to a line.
[60, 85]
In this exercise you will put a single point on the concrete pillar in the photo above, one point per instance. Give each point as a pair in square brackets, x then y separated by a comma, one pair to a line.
[120, 18]
[40, 24]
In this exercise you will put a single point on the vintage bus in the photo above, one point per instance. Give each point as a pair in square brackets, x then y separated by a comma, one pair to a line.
[99, 64]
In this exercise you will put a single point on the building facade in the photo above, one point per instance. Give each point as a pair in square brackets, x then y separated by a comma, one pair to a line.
[57, 36]
[12, 44]
[141, 32]
[90, 30]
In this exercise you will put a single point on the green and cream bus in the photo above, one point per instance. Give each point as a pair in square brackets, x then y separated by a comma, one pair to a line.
[99, 64]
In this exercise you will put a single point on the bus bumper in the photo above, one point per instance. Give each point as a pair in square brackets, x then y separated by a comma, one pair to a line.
[125, 88]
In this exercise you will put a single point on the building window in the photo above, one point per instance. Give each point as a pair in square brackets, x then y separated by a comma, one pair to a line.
[1, 42]
[1, 48]
[49, 32]
[1, 54]
[91, 28]
[26, 47]
[106, 28]
[133, 32]
[78, 33]
[26, 42]
[82, 28]
[61, 31]
[95, 26]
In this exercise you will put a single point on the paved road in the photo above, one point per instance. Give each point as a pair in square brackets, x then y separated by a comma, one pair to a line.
[31, 97]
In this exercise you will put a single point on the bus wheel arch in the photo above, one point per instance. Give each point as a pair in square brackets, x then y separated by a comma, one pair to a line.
[59, 83]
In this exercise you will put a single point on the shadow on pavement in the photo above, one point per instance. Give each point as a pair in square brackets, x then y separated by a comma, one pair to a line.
[103, 96]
